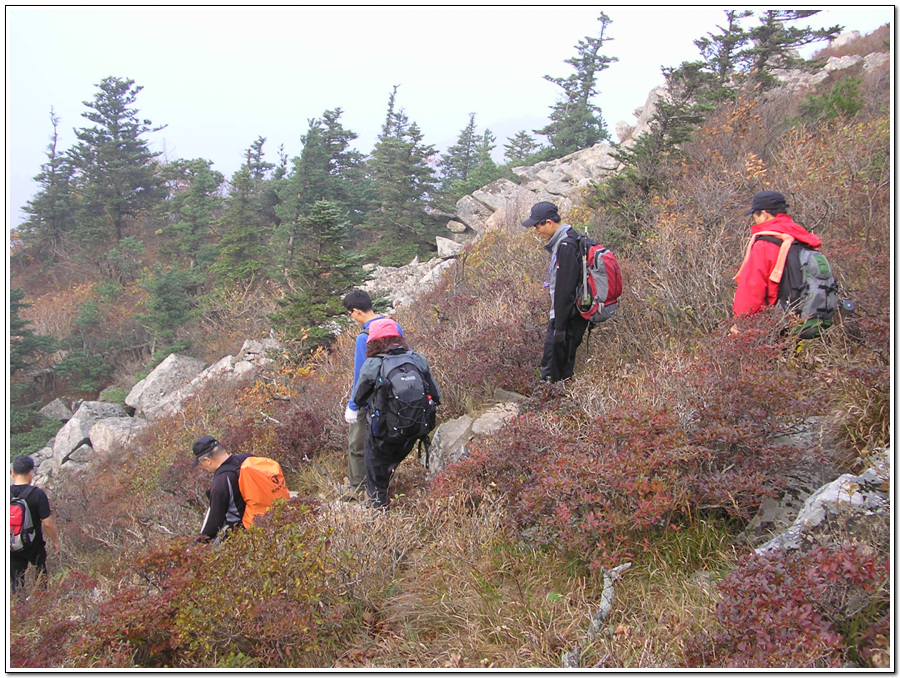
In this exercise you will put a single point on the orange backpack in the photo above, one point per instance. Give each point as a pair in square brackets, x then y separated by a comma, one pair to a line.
[261, 482]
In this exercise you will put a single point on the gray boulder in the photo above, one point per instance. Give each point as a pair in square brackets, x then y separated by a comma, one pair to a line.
[56, 410]
[472, 213]
[865, 494]
[450, 439]
[76, 432]
[158, 392]
[115, 433]
[447, 248]
[449, 443]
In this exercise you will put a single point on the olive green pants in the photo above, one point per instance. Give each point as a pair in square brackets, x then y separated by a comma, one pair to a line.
[356, 451]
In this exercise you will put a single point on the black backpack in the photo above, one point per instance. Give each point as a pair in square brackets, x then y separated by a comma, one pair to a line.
[403, 407]
[21, 525]
[807, 286]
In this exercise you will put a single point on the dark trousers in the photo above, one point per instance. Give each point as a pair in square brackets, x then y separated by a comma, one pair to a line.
[19, 561]
[382, 459]
[558, 361]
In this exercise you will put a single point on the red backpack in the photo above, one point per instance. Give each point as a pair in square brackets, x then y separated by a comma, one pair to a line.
[601, 284]
[21, 525]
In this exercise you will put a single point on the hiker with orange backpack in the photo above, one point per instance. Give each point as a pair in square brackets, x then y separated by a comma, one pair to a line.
[243, 486]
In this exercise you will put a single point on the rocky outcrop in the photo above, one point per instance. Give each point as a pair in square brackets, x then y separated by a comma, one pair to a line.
[77, 430]
[848, 497]
[405, 283]
[449, 442]
[98, 429]
[151, 395]
[115, 433]
[56, 410]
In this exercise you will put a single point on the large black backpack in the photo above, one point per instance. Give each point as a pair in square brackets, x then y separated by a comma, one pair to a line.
[403, 407]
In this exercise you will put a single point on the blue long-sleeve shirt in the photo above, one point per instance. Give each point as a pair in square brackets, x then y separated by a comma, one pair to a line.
[359, 355]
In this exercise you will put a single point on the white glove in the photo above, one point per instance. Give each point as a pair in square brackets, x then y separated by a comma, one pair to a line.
[350, 416]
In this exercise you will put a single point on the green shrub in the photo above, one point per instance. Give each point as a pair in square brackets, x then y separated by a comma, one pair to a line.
[34, 439]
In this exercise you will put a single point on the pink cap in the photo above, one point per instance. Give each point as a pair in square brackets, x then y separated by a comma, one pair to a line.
[382, 328]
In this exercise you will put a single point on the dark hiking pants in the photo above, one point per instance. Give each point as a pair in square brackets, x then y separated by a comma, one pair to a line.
[558, 361]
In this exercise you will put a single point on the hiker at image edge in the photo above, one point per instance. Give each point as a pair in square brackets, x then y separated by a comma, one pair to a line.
[782, 266]
[359, 305]
[243, 487]
[28, 523]
[399, 396]
[566, 327]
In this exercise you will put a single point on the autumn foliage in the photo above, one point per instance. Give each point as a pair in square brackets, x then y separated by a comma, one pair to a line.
[679, 423]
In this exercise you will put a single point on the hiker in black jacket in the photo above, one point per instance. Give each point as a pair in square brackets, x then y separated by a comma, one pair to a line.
[566, 327]
[226, 505]
[39, 506]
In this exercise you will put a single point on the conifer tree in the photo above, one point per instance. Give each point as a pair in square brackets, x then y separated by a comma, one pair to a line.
[326, 169]
[51, 217]
[192, 209]
[773, 44]
[576, 122]
[248, 221]
[116, 173]
[325, 270]
[404, 179]
[460, 159]
[521, 149]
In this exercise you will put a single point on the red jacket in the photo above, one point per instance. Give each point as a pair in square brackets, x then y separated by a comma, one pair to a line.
[755, 290]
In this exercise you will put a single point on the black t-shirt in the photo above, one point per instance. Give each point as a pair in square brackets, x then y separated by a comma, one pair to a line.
[38, 505]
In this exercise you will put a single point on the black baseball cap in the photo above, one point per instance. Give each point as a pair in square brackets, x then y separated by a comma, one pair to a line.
[541, 212]
[768, 201]
[203, 445]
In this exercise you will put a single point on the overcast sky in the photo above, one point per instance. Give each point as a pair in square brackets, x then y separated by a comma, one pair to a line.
[219, 77]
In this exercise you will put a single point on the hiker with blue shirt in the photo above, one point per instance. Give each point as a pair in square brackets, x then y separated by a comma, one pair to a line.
[359, 305]
[566, 327]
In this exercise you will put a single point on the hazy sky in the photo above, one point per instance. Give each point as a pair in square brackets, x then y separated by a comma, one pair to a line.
[219, 77]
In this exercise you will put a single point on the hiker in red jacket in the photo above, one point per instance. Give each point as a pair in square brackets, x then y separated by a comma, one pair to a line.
[755, 288]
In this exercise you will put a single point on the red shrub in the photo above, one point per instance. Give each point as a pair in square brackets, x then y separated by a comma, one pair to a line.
[785, 610]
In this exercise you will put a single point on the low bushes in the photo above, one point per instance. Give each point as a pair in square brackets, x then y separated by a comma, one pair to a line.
[595, 487]
[263, 598]
[796, 609]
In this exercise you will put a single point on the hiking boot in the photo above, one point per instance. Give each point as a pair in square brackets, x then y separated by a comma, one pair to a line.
[353, 493]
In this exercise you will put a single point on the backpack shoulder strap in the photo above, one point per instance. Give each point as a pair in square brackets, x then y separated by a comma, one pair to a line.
[783, 240]
[22, 494]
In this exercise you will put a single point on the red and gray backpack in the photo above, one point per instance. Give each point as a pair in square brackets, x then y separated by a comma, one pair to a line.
[21, 525]
[601, 283]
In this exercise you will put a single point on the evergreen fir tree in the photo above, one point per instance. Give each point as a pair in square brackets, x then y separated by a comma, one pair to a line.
[116, 173]
[192, 209]
[521, 149]
[404, 179]
[51, 212]
[460, 159]
[773, 44]
[325, 270]
[575, 122]
[248, 221]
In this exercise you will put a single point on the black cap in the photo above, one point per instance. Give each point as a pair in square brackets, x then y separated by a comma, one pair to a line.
[768, 201]
[541, 212]
[203, 445]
